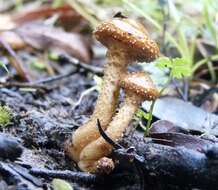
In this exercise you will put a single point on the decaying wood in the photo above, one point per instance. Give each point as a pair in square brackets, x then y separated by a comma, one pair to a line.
[178, 166]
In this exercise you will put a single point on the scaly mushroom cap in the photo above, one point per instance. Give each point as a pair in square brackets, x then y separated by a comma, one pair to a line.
[130, 36]
[141, 84]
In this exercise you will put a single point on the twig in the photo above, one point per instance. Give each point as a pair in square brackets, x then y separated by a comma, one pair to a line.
[80, 177]
[54, 78]
[19, 175]
[16, 63]
[23, 85]
[83, 177]
[186, 89]
[179, 91]
[76, 62]
[83, 94]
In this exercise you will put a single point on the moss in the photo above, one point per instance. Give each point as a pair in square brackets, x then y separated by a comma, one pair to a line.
[5, 115]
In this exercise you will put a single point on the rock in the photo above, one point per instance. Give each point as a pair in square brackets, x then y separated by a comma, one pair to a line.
[10, 147]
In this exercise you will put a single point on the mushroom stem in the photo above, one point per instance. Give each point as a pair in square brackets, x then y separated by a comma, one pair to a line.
[90, 157]
[106, 103]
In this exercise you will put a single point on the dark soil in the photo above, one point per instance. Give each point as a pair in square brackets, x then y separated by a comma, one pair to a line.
[44, 119]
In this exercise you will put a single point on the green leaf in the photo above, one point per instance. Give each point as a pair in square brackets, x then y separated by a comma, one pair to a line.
[37, 65]
[163, 63]
[53, 56]
[146, 116]
[180, 68]
[141, 114]
[59, 184]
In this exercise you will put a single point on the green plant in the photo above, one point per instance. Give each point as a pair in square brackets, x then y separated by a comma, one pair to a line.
[181, 44]
[37, 65]
[176, 68]
[209, 12]
[5, 115]
[182, 29]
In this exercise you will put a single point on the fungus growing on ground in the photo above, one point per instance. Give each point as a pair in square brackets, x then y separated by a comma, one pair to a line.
[138, 87]
[127, 41]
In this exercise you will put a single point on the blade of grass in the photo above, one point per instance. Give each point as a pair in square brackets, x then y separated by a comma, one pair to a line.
[203, 61]
[209, 22]
[155, 24]
[181, 35]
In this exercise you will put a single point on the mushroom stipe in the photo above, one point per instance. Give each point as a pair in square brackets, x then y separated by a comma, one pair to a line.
[138, 87]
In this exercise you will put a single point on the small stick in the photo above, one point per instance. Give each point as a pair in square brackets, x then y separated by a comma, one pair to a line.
[83, 177]
[76, 62]
[80, 177]
[53, 78]
[179, 91]
[23, 85]
[186, 88]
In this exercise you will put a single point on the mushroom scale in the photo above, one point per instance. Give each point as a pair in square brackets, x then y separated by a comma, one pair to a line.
[141, 83]
[138, 87]
[132, 36]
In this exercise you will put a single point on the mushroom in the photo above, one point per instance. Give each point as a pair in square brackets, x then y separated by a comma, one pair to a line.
[127, 41]
[138, 87]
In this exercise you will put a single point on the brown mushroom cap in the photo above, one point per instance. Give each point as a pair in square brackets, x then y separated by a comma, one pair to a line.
[128, 35]
[141, 84]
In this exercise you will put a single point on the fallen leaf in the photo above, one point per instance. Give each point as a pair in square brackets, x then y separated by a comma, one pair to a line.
[43, 37]
[13, 39]
[181, 140]
[164, 126]
[65, 14]
[185, 115]
[15, 61]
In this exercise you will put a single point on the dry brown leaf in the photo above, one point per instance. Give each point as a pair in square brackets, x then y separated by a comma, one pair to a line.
[13, 39]
[66, 14]
[15, 61]
[43, 37]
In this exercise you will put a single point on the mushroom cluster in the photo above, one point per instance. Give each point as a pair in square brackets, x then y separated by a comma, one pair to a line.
[127, 42]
